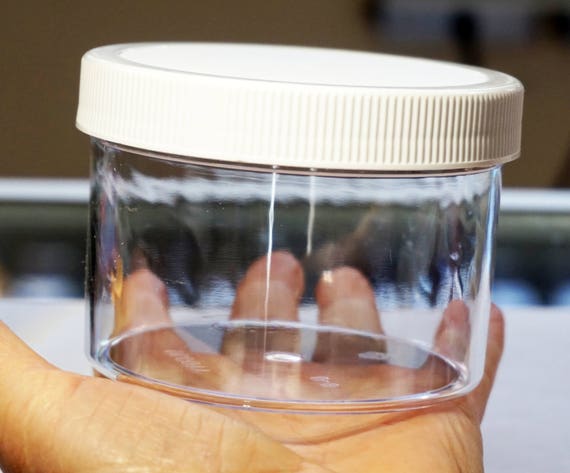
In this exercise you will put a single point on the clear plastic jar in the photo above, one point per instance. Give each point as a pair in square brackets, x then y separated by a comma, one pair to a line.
[272, 272]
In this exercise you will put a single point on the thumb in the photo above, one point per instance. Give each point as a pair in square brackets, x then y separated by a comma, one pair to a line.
[28, 385]
[477, 400]
[52, 421]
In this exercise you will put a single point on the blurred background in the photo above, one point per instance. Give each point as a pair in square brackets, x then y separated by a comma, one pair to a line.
[44, 162]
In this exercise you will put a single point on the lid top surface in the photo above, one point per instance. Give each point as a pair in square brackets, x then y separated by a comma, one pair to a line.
[302, 65]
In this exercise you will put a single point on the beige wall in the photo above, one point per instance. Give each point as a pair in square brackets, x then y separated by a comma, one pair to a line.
[42, 43]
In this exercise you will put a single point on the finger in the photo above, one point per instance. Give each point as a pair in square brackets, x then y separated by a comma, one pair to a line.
[270, 291]
[346, 299]
[158, 352]
[140, 301]
[453, 333]
[495, 344]
[24, 382]
[451, 341]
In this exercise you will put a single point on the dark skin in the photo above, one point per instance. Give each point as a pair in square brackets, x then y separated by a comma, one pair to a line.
[54, 422]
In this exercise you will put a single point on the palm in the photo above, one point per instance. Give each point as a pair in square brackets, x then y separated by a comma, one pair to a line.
[97, 425]
[93, 424]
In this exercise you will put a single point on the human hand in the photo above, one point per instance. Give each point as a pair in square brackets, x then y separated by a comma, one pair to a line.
[51, 421]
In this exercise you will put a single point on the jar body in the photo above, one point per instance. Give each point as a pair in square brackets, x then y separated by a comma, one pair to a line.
[275, 290]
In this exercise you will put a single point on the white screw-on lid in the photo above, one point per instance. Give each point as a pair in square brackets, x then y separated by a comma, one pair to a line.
[300, 107]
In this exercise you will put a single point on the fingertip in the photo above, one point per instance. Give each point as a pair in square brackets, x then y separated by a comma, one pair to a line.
[457, 310]
[342, 283]
[346, 299]
[145, 281]
[495, 346]
[495, 341]
[143, 300]
[454, 330]
[497, 326]
[275, 296]
[283, 267]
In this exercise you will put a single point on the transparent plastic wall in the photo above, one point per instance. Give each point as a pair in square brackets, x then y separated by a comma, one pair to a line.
[271, 289]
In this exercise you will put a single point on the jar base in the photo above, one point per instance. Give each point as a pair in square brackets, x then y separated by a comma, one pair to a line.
[283, 366]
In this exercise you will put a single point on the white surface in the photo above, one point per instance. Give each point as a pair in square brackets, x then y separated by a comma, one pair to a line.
[299, 107]
[536, 200]
[68, 191]
[55, 328]
[527, 425]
